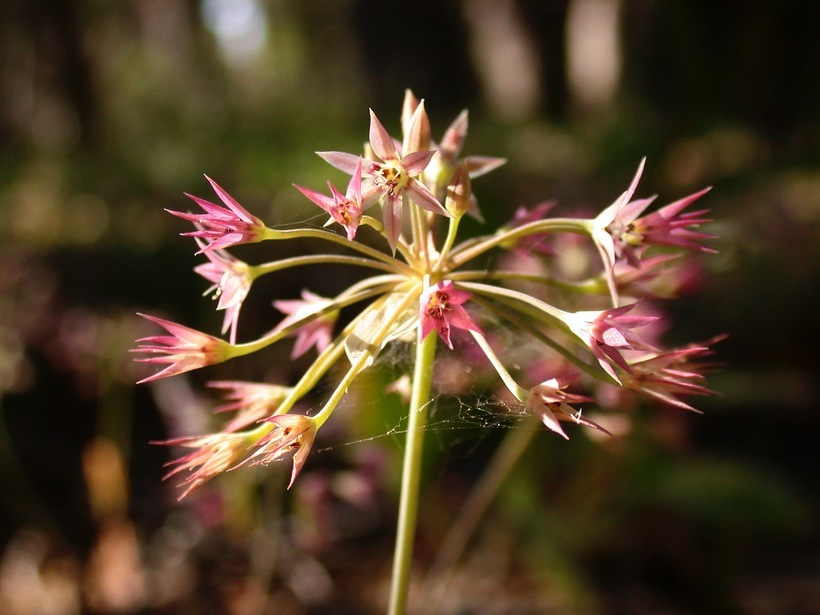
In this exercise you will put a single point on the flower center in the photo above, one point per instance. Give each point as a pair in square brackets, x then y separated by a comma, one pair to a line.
[349, 212]
[627, 235]
[390, 175]
[437, 305]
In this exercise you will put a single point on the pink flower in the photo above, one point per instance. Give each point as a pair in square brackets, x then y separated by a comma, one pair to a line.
[231, 280]
[216, 453]
[220, 226]
[653, 279]
[252, 401]
[608, 333]
[550, 402]
[317, 332]
[185, 349]
[293, 433]
[440, 308]
[669, 227]
[346, 209]
[665, 375]
[618, 232]
[390, 177]
[549, 398]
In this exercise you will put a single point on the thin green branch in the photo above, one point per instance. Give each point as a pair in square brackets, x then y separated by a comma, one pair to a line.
[277, 334]
[319, 259]
[393, 263]
[366, 357]
[468, 251]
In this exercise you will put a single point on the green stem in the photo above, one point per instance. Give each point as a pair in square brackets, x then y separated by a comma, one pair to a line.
[452, 232]
[319, 259]
[393, 263]
[522, 301]
[401, 246]
[276, 334]
[590, 286]
[411, 473]
[420, 232]
[519, 392]
[473, 248]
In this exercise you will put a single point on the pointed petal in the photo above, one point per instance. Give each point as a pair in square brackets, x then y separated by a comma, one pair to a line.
[408, 107]
[630, 211]
[634, 185]
[322, 200]
[425, 199]
[673, 209]
[454, 136]
[416, 162]
[460, 319]
[391, 218]
[417, 132]
[342, 160]
[231, 202]
[479, 165]
[380, 140]
[354, 187]
[548, 418]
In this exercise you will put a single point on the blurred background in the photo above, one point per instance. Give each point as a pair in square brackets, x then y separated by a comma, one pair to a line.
[111, 109]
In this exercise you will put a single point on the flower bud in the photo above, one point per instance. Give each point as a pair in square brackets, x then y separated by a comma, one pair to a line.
[459, 192]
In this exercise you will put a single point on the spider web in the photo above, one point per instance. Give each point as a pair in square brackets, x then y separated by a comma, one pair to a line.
[453, 421]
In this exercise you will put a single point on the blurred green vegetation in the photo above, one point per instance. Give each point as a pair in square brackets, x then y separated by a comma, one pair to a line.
[111, 110]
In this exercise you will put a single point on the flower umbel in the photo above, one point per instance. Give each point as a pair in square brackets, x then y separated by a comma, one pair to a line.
[547, 305]
[618, 232]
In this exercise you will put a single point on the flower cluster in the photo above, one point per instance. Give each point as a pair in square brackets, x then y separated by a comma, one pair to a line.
[426, 283]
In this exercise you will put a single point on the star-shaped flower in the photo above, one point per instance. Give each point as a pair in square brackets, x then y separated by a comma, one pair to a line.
[391, 177]
[440, 308]
[665, 375]
[293, 433]
[185, 349]
[618, 232]
[346, 209]
[607, 333]
[549, 401]
[216, 453]
[222, 227]
[231, 278]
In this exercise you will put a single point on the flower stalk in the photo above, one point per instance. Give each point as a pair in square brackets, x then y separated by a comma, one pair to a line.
[411, 473]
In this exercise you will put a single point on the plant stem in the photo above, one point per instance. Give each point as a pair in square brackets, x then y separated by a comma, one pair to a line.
[411, 473]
